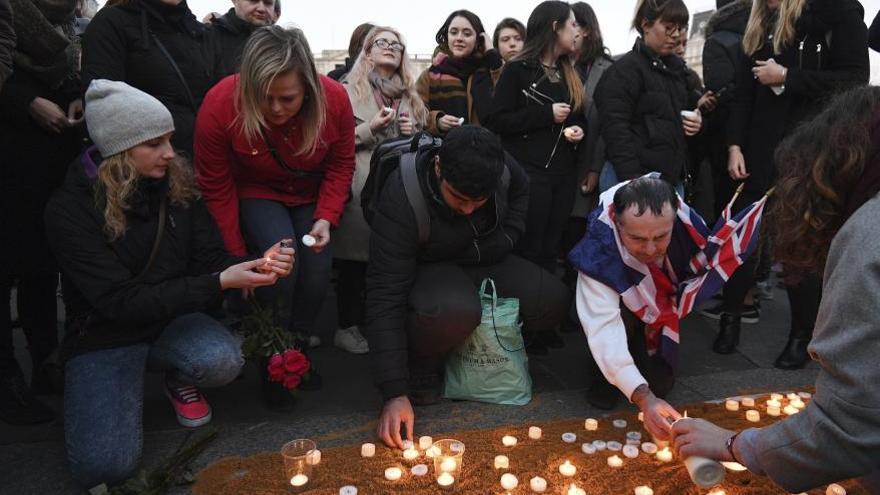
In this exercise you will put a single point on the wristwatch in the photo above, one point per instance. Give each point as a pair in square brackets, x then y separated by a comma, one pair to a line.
[730, 446]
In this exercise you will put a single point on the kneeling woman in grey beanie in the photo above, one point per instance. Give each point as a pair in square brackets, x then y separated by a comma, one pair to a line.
[141, 258]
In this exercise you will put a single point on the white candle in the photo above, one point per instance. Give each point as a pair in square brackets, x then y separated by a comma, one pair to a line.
[574, 490]
[619, 423]
[567, 469]
[309, 241]
[591, 424]
[634, 435]
[509, 481]
[445, 480]
[643, 490]
[502, 462]
[534, 433]
[734, 466]
[600, 444]
[792, 396]
[649, 448]
[731, 405]
[789, 410]
[393, 473]
[410, 454]
[538, 484]
[805, 395]
[642, 417]
[368, 450]
[448, 465]
[664, 455]
[615, 446]
[588, 448]
[508, 440]
[772, 411]
[775, 396]
[798, 403]
[753, 416]
[774, 403]
[432, 452]
[631, 451]
[299, 480]
[615, 461]
[748, 401]
[835, 489]
[425, 442]
[717, 491]
[569, 437]
[348, 490]
[407, 444]
[419, 470]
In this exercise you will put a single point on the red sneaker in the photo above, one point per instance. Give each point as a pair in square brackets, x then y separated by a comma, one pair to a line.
[189, 404]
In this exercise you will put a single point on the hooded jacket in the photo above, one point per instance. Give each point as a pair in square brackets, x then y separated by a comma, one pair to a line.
[723, 54]
[227, 35]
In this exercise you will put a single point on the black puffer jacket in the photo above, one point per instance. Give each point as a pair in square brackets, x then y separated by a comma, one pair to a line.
[640, 99]
[760, 119]
[526, 124]
[485, 237]
[723, 53]
[103, 300]
[120, 44]
[228, 34]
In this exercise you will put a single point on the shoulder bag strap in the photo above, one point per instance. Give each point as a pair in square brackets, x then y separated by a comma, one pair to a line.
[189, 96]
[283, 164]
[160, 233]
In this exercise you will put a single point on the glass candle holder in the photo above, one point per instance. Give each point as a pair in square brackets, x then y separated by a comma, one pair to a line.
[298, 466]
[447, 461]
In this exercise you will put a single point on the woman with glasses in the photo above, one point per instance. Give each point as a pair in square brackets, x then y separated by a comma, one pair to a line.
[457, 87]
[274, 160]
[537, 111]
[641, 99]
[385, 103]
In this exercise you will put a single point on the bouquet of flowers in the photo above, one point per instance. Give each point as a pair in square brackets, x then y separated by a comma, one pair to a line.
[277, 349]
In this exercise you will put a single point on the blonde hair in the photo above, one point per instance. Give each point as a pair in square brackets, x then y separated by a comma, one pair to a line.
[118, 179]
[358, 78]
[783, 34]
[269, 52]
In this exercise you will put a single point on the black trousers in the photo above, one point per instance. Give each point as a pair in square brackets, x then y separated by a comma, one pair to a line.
[445, 307]
[350, 287]
[551, 198]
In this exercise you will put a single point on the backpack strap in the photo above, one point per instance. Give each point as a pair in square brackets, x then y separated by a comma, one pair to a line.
[414, 194]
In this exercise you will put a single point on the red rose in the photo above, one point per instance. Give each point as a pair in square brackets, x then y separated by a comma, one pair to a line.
[291, 381]
[276, 368]
[295, 362]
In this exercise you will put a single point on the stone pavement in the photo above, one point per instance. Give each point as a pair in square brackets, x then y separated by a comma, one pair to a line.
[345, 410]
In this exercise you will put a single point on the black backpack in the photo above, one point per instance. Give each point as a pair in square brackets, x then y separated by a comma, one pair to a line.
[400, 152]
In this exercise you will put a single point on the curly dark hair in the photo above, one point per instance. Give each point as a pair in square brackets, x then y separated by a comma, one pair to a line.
[442, 36]
[820, 165]
[472, 160]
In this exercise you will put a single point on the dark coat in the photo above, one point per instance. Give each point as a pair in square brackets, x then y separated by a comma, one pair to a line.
[874, 34]
[485, 237]
[109, 306]
[227, 35]
[723, 59]
[816, 71]
[338, 73]
[7, 41]
[119, 45]
[640, 99]
[526, 126]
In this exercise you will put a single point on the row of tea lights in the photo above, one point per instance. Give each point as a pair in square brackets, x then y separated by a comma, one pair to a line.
[774, 405]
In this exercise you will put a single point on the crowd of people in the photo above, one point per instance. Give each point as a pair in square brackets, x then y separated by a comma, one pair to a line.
[155, 162]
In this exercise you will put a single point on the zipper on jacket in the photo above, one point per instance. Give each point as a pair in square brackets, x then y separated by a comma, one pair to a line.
[801, 54]
[819, 56]
[476, 234]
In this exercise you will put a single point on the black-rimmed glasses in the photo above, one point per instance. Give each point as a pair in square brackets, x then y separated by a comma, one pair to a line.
[384, 44]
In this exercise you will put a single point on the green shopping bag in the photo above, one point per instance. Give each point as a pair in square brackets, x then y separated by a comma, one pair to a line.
[491, 365]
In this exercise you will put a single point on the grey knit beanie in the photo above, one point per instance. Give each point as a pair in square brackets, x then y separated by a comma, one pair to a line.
[120, 117]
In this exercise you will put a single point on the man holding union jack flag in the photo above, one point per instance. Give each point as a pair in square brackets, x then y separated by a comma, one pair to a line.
[646, 261]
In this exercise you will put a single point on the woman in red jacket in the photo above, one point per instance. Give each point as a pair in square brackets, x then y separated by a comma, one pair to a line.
[274, 152]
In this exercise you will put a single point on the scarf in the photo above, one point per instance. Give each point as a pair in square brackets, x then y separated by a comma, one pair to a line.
[869, 184]
[44, 29]
[447, 91]
[387, 93]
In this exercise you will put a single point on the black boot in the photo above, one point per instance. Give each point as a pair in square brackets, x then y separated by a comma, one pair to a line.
[794, 355]
[728, 334]
[18, 406]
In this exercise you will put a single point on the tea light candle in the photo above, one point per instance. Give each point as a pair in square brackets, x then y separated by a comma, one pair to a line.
[508, 441]
[368, 450]
[574, 490]
[407, 444]
[748, 401]
[717, 491]
[664, 455]
[410, 454]
[569, 437]
[630, 451]
[567, 469]
[534, 433]
[835, 489]
[419, 470]
[798, 403]
[792, 396]
[393, 473]
[448, 465]
[634, 435]
[643, 490]
[309, 241]
[299, 480]
[588, 448]
[600, 444]
[445, 480]
[502, 462]
[425, 442]
[432, 452]
[615, 461]
[591, 424]
[805, 395]
[348, 490]
[734, 466]
[615, 446]
[774, 403]
[315, 458]
[753, 416]
[538, 484]
[509, 481]
[619, 423]
[649, 448]
[731, 405]
[776, 396]
[789, 410]
[772, 411]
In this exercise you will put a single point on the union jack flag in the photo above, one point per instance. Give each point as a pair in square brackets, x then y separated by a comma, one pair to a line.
[698, 262]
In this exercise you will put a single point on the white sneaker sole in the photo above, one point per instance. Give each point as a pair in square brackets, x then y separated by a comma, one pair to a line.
[193, 423]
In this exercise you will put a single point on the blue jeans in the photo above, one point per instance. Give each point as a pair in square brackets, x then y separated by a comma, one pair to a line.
[299, 297]
[104, 392]
[608, 179]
